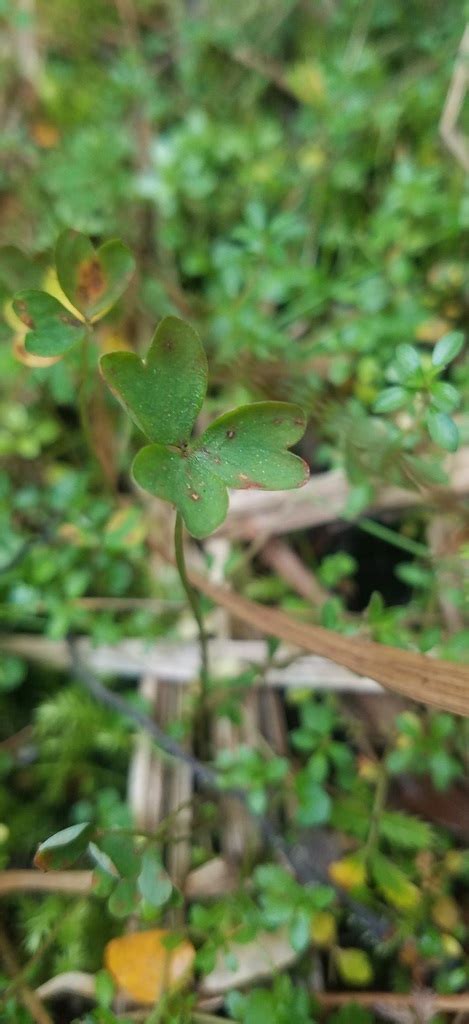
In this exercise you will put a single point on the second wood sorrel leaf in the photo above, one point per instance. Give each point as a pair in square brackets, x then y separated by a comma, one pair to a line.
[244, 448]
[52, 328]
[164, 393]
[93, 279]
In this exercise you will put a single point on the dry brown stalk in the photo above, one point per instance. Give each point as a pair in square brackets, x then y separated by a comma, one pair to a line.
[415, 676]
[73, 883]
[454, 139]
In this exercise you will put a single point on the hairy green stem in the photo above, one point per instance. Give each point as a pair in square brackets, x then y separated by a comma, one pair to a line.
[193, 599]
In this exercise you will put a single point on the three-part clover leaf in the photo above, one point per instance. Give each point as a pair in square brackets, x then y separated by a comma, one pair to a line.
[91, 280]
[247, 447]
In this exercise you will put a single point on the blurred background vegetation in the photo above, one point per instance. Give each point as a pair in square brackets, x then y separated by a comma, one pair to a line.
[277, 169]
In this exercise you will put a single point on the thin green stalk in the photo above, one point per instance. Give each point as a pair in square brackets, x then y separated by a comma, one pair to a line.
[391, 537]
[83, 389]
[193, 599]
[379, 803]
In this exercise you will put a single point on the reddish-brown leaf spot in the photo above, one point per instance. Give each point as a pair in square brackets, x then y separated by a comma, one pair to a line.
[22, 311]
[91, 282]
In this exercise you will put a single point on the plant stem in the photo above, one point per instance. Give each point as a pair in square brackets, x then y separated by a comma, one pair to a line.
[83, 388]
[379, 802]
[193, 598]
[376, 529]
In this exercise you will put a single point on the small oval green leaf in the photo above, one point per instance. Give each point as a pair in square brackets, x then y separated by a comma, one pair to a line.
[124, 898]
[153, 882]
[447, 348]
[443, 430]
[405, 831]
[394, 884]
[444, 396]
[390, 399]
[314, 803]
[407, 362]
[63, 848]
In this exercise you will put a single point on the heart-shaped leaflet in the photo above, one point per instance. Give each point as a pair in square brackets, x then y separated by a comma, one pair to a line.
[163, 394]
[93, 279]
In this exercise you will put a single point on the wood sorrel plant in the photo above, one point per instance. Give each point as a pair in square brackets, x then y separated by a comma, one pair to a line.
[244, 448]
[163, 395]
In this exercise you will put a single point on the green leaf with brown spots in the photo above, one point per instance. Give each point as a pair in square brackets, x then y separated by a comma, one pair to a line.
[183, 478]
[248, 447]
[244, 448]
[92, 279]
[52, 329]
[164, 393]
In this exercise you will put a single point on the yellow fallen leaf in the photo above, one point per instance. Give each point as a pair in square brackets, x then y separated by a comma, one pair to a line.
[354, 966]
[323, 929]
[445, 913]
[451, 946]
[144, 968]
[348, 872]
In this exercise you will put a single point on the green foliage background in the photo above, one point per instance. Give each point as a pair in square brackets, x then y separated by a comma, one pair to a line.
[276, 168]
